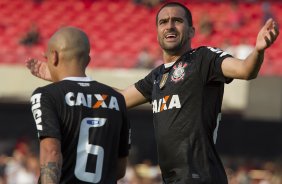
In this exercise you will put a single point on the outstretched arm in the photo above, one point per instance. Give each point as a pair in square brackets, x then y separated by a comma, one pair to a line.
[50, 161]
[38, 69]
[248, 69]
[132, 96]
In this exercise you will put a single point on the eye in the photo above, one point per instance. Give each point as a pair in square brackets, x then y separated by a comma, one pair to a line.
[162, 22]
[178, 20]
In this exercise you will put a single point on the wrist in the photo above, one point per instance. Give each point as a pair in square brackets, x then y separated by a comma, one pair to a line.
[259, 51]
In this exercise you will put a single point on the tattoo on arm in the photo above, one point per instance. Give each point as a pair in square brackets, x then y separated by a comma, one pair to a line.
[50, 173]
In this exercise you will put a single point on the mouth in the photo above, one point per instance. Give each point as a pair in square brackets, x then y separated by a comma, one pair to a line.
[170, 36]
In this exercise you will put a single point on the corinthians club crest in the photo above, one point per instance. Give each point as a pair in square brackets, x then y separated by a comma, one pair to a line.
[179, 72]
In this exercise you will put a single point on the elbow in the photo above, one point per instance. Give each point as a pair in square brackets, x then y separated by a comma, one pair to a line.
[50, 149]
[251, 76]
[53, 153]
[50, 156]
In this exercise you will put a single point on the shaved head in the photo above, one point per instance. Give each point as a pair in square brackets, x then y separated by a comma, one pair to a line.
[71, 44]
[68, 53]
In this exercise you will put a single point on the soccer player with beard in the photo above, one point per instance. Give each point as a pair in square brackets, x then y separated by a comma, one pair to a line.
[186, 95]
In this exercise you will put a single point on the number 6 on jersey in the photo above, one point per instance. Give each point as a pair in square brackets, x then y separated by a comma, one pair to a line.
[84, 148]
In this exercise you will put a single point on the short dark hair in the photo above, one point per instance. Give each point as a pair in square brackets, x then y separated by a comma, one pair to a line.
[188, 14]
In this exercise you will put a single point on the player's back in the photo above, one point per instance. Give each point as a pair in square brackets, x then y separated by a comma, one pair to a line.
[90, 120]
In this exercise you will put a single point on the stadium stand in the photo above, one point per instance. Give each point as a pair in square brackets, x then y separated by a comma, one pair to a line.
[119, 30]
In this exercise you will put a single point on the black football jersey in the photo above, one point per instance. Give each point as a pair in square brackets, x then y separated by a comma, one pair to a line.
[186, 101]
[90, 120]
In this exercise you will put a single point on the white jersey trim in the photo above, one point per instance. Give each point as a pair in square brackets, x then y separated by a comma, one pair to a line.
[167, 65]
[83, 79]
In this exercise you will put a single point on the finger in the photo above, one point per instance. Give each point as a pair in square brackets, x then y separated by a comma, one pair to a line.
[268, 24]
[274, 33]
[44, 55]
[33, 62]
[34, 71]
[33, 66]
[27, 60]
[272, 36]
[276, 29]
[30, 60]
[267, 40]
[29, 63]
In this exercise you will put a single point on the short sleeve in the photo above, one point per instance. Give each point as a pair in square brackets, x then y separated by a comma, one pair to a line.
[125, 134]
[45, 114]
[211, 60]
[145, 86]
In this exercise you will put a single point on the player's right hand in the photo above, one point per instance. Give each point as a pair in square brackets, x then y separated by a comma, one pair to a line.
[38, 69]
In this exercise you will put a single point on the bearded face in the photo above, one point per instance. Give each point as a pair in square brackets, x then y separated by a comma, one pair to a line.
[173, 30]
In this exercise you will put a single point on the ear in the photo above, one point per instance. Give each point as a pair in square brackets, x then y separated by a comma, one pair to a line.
[88, 61]
[191, 32]
[55, 57]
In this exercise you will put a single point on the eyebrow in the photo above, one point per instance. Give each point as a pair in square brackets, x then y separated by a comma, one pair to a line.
[173, 18]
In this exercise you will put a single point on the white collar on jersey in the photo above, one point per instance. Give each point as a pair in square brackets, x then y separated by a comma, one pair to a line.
[83, 79]
[167, 65]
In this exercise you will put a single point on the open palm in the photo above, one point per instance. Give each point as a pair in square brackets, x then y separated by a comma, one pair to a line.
[267, 35]
[38, 69]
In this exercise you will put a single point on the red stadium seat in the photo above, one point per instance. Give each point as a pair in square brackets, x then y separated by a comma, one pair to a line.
[119, 30]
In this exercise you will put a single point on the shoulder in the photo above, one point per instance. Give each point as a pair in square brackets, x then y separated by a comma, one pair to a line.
[210, 49]
[203, 49]
[156, 70]
[40, 95]
[196, 53]
[40, 90]
[208, 52]
[48, 90]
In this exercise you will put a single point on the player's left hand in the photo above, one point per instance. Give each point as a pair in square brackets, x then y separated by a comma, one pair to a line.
[267, 35]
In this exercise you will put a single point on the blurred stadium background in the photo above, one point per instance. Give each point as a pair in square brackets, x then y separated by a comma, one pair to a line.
[124, 49]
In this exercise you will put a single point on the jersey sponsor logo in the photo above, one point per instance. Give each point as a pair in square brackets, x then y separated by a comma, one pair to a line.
[36, 111]
[83, 84]
[179, 72]
[94, 101]
[96, 122]
[166, 103]
[218, 51]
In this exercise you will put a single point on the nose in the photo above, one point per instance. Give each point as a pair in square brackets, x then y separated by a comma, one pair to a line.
[170, 24]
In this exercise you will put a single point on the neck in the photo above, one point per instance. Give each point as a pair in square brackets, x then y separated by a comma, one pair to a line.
[63, 75]
[169, 57]
[70, 69]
